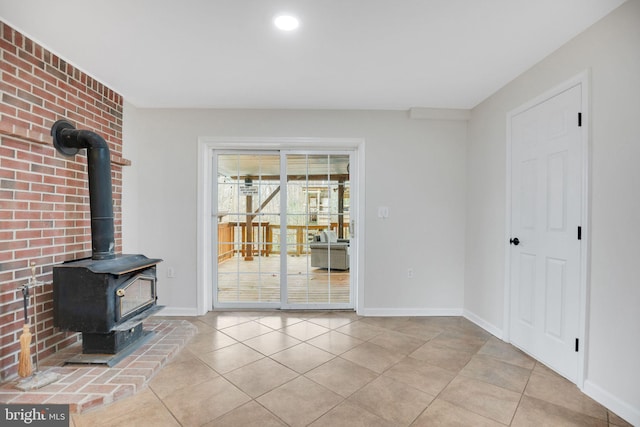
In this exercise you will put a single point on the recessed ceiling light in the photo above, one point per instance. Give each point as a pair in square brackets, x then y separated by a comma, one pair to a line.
[286, 22]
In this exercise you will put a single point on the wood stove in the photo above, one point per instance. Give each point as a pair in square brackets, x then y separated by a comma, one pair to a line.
[107, 296]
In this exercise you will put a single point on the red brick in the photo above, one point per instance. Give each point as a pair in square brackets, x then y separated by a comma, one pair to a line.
[28, 176]
[18, 39]
[55, 72]
[26, 195]
[21, 125]
[5, 195]
[54, 161]
[44, 76]
[40, 242]
[51, 106]
[27, 215]
[20, 63]
[29, 156]
[16, 82]
[41, 206]
[28, 234]
[14, 185]
[15, 143]
[46, 171]
[7, 174]
[44, 113]
[42, 188]
[13, 265]
[7, 109]
[40, 224]
[55, 232]
[31, 79]
[13, 164]
[8, 47]
[28, 253]
[70, 90]
[78, 118]
[27, 56]
[40, 130]
[8, 317]
[46, 95]
[8, 68]
[15, 205]
[38, 52]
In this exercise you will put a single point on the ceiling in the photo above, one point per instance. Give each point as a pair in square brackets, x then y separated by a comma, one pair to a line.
[346, 54]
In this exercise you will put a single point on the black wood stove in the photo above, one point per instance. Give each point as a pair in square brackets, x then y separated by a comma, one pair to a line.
[107, 296]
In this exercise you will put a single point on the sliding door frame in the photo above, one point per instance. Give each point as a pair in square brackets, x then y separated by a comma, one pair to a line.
[205, 202]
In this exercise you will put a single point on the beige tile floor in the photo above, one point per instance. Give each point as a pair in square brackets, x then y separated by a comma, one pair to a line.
[339, 369]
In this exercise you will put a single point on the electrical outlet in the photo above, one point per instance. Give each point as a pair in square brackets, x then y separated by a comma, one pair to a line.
[171, 272]
[410, 273]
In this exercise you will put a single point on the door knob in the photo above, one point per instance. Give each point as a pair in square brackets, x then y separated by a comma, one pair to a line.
[515, 241]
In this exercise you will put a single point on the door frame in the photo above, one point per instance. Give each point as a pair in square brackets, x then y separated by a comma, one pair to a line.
[583, 80]
[206, 147]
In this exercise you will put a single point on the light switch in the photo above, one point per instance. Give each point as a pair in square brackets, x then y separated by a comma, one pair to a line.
[383, 212]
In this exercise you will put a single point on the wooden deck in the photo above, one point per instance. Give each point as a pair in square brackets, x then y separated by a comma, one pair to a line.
[259, 281]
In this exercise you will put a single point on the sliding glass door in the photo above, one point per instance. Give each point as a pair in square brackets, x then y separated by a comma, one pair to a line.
[282, 230]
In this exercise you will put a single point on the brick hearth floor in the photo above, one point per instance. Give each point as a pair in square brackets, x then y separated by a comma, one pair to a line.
[89, 386]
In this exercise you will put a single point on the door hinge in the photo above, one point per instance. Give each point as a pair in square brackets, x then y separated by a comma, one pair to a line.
[579, 233]
[577, 344]
[579, 119]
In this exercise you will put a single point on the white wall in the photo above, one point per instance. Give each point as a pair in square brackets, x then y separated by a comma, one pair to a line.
[611, 50]
[415, 167]
[130, 186]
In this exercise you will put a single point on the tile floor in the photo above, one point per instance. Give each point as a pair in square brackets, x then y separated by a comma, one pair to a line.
[339, 369]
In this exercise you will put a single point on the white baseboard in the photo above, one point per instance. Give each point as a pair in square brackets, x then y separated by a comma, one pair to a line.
[178, 311]
[389, 312]
[613, 403]
[492, 329]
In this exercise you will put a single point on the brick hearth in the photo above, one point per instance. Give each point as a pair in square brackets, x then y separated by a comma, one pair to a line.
[83, 387]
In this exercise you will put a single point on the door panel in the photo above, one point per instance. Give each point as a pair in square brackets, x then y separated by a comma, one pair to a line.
[554, 303]
[247, 207]
[526, 306]
[317, 206]
[557, 192]
[545, 213]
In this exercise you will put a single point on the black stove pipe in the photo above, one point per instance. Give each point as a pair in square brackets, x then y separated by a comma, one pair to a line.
[68, 140]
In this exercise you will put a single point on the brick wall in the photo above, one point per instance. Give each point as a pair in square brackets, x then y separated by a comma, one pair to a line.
[44, 201]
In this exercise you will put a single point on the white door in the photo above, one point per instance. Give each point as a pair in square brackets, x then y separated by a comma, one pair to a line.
[546, 192]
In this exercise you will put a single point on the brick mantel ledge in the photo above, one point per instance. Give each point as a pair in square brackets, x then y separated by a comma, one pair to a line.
[45, 139]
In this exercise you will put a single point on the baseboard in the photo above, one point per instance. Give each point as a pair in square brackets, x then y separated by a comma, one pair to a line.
[178, 311]
[613, 403]
[395, 312]
[492, 329]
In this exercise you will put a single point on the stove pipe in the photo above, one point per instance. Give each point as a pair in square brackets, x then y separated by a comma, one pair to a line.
[68, 140]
